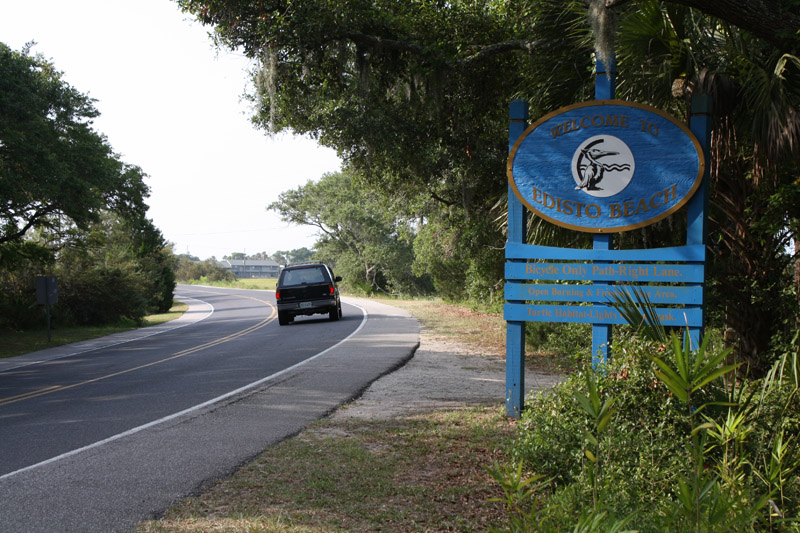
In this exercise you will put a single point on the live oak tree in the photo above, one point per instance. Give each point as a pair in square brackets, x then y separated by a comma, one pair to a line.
[361, 237]
[54, 168]
[70, 206]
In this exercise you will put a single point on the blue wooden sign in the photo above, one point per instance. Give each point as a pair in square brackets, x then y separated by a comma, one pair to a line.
[624, 272]
[596, 314]
[602, 167]
[657, 294]
[605, 166]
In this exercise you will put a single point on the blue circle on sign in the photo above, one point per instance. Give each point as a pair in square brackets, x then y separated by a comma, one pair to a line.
[605, 166]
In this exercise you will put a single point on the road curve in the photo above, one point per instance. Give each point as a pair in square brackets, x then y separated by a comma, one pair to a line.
[113, 485]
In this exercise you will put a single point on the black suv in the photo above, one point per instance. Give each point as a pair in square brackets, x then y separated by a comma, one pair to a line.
[307, 289]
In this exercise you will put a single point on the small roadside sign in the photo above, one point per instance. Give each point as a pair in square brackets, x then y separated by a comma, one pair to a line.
[47, 295]
[47, 290]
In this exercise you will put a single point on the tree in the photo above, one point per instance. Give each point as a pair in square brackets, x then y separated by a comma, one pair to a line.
[188, 257]
[290, 257]
[22, 261]
[414, 96]
[407, 92]
[100, 279]
[53, 166]
[190, 268]
[155, 260]
[69, 205]
[360, 236]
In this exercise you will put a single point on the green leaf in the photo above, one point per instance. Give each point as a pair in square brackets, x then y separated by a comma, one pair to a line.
[669, 371]
[674, 386]
[636, 308]
[682, 356]
[711, 364]
[711, 404]
[605, 415]
[701, 427]
[714, 375]
[585, 403]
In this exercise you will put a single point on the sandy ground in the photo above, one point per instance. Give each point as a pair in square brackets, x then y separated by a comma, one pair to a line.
[441, 375]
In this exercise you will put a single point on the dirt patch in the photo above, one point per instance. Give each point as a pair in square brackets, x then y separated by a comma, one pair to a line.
[441, 375]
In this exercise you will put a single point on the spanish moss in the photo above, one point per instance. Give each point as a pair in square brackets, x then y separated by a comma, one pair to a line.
[604, 28]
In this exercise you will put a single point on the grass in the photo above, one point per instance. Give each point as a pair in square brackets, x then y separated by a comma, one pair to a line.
[485, 333]
[13, 343]
[420, 473]
[177, 309]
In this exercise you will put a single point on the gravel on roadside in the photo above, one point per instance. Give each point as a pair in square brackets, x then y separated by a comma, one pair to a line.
[441, 375]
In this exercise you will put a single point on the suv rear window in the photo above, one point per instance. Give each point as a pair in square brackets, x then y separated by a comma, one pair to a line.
[303, 276]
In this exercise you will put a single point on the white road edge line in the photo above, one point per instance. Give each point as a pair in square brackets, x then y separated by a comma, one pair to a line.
[95, 348]
[190, 409]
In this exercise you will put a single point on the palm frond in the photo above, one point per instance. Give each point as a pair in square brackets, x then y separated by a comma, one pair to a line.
[636, 308]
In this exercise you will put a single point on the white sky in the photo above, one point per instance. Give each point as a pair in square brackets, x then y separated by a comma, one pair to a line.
[171, 104]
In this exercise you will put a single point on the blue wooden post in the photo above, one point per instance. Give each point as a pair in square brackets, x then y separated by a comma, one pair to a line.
[605, 80]
[696, 232]
[601, 333]
[604, 89]
[515, 331]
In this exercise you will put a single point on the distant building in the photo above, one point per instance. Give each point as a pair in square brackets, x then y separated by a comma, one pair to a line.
[251, 268]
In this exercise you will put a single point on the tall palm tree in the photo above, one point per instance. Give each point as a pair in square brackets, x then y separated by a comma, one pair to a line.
[667, 53]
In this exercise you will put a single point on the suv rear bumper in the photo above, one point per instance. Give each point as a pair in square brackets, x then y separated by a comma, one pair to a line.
[307, 307]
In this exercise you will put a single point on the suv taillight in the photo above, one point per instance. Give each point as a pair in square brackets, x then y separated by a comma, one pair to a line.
[332, 290]
[277, 295]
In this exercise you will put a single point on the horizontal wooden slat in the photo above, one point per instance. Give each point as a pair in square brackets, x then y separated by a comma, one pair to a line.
[590, 293]
[595, 314]
[605, 272]
[689, 253]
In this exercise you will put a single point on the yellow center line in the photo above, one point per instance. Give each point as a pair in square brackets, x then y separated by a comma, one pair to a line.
[177, 355]
[28, 394]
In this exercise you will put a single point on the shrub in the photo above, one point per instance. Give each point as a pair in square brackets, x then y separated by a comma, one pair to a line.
[723, 458]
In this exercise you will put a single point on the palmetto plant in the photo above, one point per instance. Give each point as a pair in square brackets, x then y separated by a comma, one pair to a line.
[600, 413]
[718, 497]
[519, 495]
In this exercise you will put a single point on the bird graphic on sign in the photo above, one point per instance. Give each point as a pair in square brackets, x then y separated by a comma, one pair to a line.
[591, 170]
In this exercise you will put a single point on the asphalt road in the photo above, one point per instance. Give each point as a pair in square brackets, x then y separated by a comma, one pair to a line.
[101, 435]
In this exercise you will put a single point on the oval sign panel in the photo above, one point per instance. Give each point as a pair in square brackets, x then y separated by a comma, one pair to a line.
[605, 166]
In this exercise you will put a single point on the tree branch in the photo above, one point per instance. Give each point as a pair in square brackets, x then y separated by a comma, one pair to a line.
[477, 52]
[486, 52]
[380, 43]
[767, 19]
[440, 199]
